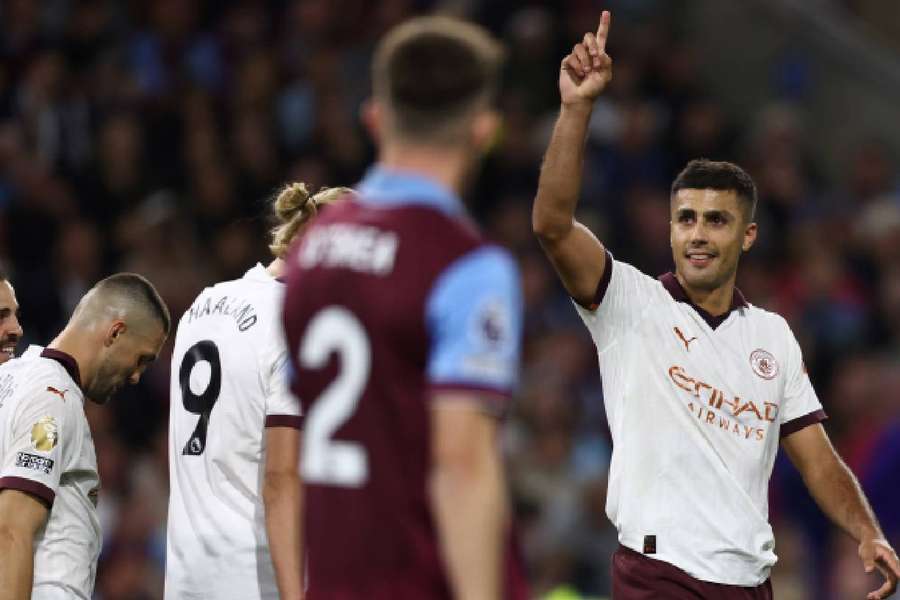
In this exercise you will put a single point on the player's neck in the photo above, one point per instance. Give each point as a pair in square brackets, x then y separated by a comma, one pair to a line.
[716, 302]
[447, 166]
[72, 343]
[276, 268]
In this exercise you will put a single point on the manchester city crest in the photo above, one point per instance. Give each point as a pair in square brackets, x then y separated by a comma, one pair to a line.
[763, 364]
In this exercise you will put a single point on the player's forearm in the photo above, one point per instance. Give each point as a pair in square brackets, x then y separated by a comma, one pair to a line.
[470, 508]
[839, 495]
[559, 186]
[282, 497]
[16, 566]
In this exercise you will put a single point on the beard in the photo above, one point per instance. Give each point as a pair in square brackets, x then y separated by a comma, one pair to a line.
[106, 383]
[8, 347]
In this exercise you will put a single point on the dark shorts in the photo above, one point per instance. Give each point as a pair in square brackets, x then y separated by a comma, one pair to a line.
[637, 577]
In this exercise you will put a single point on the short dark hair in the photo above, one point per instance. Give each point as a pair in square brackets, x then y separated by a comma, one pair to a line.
[433, 72]
[139, 289]
[705, 174]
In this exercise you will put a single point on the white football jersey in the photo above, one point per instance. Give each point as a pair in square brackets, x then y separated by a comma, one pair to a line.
[228, 384]
[47, 450]
[696, 406]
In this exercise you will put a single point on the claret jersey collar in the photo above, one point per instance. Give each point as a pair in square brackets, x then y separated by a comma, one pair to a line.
[673, 286]
[394, 187]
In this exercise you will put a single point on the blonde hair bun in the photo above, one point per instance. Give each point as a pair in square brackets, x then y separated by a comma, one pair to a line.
[294, 207]
[292, 199]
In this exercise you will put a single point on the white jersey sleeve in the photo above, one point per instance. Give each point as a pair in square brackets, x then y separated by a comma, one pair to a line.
[281, 407]
[800, 404]
[39, 436]
[623, 294]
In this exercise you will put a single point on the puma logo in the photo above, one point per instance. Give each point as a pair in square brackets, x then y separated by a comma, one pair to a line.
[687, 342]
[61, 394]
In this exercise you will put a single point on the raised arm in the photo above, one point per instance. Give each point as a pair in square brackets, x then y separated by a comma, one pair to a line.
[838, 494]
[577, 255]
[468, 496]
[21, 516]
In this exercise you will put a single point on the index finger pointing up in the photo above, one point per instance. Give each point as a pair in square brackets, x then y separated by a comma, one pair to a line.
[603, 30]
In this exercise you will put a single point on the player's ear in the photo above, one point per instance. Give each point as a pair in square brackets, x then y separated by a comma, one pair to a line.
[484, 129]
[749, 237]
[116, 329]
[372, 116]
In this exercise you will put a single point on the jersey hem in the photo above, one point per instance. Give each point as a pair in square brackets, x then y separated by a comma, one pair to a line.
[795, 425]
[705, 579]
[294, 421]
[29, 486]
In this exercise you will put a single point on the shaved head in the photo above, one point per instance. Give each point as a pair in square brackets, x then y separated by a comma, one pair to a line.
[115, 333]
[125, 296]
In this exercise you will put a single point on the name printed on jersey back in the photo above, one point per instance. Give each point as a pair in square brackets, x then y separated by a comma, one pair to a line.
[362, 248]
[237, 309]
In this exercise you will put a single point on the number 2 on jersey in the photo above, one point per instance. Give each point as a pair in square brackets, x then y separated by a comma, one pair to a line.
[327, 461]
[202, 403]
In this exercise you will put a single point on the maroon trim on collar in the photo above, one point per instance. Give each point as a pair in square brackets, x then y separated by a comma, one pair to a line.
[66, 361]
[673, 286]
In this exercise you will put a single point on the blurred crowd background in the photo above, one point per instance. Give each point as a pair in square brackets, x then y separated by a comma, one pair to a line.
[150, 137]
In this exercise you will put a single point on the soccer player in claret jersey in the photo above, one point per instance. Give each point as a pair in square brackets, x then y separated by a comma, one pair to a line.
[234, 505]
[700, 386]
[49, 527]
[404, 332]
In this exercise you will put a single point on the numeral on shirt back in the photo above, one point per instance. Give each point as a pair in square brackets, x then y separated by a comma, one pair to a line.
[327, 461]
[200, 403]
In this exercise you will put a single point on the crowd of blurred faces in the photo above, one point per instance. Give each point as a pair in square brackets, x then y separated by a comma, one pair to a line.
[150, 136]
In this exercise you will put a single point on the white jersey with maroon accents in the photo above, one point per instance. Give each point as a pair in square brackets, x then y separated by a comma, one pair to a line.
[228, 383]
[696, 405]
[47, 451]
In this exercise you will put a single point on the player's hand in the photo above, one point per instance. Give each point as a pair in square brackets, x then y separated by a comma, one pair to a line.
[876, 553]
[585, 72]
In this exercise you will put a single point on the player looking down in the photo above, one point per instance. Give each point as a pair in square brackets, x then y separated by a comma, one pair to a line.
[234, 505]
[49, 528]
[700, 386]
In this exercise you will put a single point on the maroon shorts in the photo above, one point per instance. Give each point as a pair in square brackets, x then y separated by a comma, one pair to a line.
[637, 577]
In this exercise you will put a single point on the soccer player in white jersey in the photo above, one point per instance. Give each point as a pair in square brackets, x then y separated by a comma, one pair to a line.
[700, 386]
[234, 427]
[10, 328]
[49, 529]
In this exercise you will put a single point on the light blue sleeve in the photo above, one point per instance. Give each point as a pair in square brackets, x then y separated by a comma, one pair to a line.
[474, 319]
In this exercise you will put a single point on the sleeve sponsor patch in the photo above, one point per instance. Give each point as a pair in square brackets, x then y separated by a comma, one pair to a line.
[45, 434]
[34, 462]
[491, 328]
